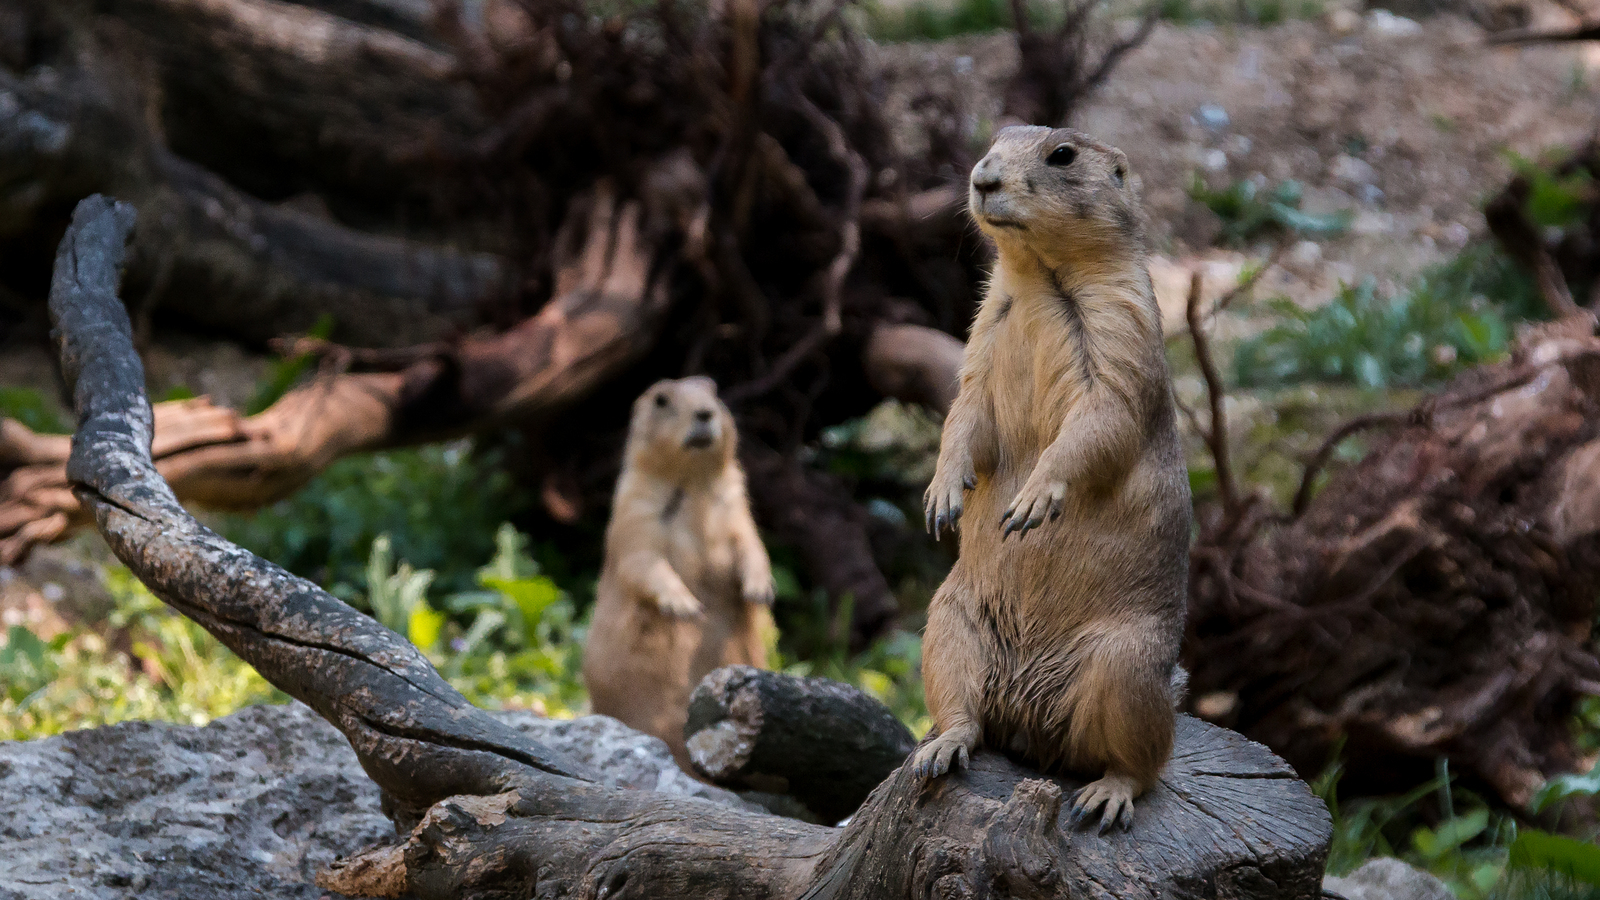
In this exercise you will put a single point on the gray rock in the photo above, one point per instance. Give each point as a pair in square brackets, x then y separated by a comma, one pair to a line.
[1388, 879]
[252, 805]
[1211, 117]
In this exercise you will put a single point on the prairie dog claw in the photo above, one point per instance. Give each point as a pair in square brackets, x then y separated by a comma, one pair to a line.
[944, 753]
[942, 504]
[1111, 796]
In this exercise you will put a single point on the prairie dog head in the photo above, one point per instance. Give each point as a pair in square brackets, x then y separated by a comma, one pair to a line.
[1055, 193]
[679, 427]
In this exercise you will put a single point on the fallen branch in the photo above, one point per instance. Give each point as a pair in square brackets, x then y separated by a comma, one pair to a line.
[823, 743]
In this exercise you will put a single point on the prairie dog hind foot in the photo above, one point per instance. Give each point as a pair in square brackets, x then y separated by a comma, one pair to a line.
[1113, 794]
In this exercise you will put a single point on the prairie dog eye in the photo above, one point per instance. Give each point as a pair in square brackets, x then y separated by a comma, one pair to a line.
[1062, 156]
[1120, 173]
[661, 401]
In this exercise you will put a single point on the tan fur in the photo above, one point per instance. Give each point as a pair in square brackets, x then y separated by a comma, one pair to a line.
[686, 582]
[1061, 643]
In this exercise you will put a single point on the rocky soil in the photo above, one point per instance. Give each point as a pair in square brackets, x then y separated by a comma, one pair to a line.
[1406, 124]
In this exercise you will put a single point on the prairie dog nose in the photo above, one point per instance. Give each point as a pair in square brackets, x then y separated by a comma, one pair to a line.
[986, 175]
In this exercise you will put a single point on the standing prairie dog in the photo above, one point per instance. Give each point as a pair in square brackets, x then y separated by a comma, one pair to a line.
[1061, 644]
[686, 582]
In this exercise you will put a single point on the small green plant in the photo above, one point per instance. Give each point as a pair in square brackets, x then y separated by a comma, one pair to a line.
[1564, 787]
[439, 507]
[1248, 211]
[30, 407]
[287, 371]
[511, 640]
[398, 596]
[1575, 862]
[27, 663]
[1441, 324]
[1456, 838]
[1555, 200]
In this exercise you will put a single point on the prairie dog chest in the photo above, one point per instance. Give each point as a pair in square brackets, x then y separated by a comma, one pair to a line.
[694, 532]
[1040, 364]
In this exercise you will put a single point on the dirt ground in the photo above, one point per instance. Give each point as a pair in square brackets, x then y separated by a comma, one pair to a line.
[1406, 124]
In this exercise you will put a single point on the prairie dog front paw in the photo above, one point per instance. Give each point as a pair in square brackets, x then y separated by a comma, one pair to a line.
[946, 494]
[1040, 499]
[945, 753]
[759, 590]
[681, 604]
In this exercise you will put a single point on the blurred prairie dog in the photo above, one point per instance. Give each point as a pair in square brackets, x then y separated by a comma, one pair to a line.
[686, 583]
[1062, 644]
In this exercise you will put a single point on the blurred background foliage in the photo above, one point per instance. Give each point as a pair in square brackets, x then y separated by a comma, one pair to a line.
[428, 541]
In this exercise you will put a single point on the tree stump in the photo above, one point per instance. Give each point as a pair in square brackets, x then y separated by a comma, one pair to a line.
[1228, 819]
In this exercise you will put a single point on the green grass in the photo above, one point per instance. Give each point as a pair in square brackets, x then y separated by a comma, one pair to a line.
[172, 670]
[1478, 853]
[937, 20]
[1435, 827]
[1239, 12]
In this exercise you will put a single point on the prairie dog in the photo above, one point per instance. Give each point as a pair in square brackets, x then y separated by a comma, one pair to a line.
[1061, 644]
[686, 583]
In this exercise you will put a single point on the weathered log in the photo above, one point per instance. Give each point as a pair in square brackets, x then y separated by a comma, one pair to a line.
[823, 743]
[210, 254]
[605, 315]
[282, 99]
[501, 815]
[252, 805]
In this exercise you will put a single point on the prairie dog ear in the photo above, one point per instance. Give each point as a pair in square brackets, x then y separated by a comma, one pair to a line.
[1119, 168]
